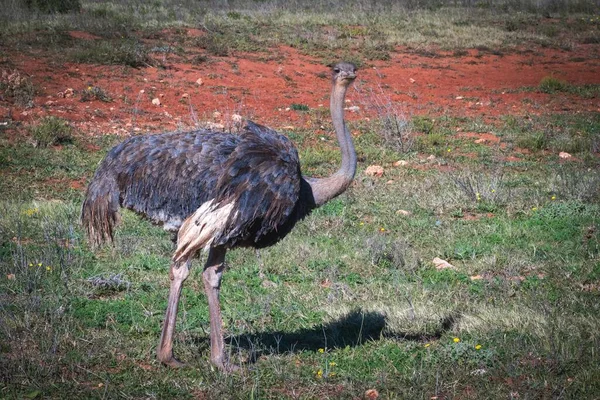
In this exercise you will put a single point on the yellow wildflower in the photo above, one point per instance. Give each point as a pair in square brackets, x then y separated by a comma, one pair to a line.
[48, 268]
[332, 363]
[456, 340]
[321, 350]
[477, 347]
[427, 345]
[319, 373]
[553, 197]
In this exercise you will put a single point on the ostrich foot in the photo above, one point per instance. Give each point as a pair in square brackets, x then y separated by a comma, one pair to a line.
[226, 366]
[167, 358]
[173, 363]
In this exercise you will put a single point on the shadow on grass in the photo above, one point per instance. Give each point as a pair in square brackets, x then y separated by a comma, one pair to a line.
[353, 329]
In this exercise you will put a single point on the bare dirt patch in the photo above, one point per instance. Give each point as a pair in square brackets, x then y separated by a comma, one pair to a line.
[264, 88]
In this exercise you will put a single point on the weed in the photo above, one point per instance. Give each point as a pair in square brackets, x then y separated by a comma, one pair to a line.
[484, 190]
[54, 6]
[120, 52]
[533, 141]
[550, 84]
[18, 87]
[50, 131]
[392, 253]
[94, 93]
[299, 107]
[391, 124]
[571, 183]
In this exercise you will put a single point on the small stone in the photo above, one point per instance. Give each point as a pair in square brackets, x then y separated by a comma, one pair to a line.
[403, 212]
[401, 163]
[199, 82]
[371, 394]
[459, 97]
[156, 101]
[374, 170]
[431, 157]
[442, 264]
[352, 108]
[564, 155]
[238, 119]
[185, 96]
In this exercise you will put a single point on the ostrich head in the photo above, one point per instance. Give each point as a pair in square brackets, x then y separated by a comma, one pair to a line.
[343, 73]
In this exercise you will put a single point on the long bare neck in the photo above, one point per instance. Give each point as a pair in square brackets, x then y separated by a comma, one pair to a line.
[325, 189]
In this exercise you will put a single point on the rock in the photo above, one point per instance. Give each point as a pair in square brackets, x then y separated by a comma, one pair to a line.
[238, 119]
[564, 155]
[156, 101]
[403, 212]
[442, 264]
[374, 170]
[431, 157]
[199, 82]
[371, 394]
[401, 163]
[352, 108]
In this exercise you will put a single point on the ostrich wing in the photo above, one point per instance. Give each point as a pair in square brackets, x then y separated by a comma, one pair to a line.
[165, 177]
[256, 196]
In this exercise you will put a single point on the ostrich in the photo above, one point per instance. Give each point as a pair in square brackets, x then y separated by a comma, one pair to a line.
[217, 191]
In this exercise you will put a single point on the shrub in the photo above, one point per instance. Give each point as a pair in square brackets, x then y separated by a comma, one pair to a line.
[18, 87]
[95, 93]
[54, 6]
[122, 52]
[51, 130]
[550, 84]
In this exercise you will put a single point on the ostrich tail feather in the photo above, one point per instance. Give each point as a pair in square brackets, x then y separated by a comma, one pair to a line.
[100, 213]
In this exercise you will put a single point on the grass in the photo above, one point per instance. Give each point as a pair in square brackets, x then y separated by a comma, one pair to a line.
[318, 29]
[50, 131]
[351, 302]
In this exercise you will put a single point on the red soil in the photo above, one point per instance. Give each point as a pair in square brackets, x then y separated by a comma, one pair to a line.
[476, 84]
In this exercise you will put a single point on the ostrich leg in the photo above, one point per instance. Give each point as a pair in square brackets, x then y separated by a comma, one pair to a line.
[178, 274]
[213, 271]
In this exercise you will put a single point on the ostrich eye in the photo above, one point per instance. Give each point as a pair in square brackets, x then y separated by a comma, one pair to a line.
[336, 70]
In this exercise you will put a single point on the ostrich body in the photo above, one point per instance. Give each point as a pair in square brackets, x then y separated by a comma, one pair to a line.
[217, 191]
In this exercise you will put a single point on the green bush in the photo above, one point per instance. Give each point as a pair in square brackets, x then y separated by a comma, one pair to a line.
[51, 130]
[54, 6]
[550, 84]
[120, 52]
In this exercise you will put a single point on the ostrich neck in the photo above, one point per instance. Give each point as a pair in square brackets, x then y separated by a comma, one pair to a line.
[325, 189]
